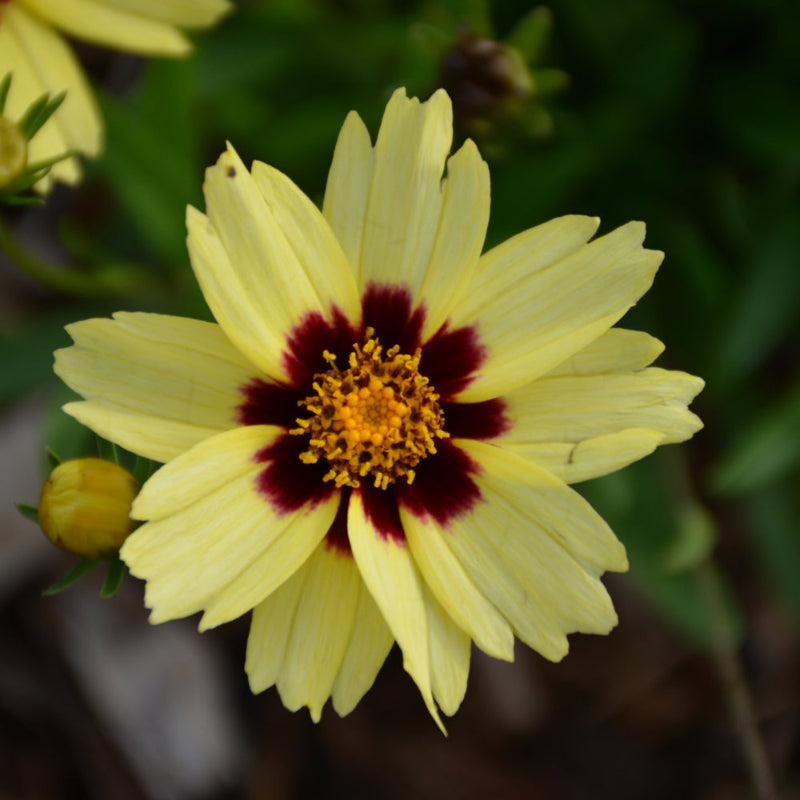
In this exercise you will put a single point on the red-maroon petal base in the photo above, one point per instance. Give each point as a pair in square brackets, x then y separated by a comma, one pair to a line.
[443, 488]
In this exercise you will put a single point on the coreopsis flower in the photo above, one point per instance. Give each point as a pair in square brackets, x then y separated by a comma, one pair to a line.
[374, 441]
[85, 506]
[34, 50]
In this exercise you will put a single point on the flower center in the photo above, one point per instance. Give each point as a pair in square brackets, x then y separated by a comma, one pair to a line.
[378, 417]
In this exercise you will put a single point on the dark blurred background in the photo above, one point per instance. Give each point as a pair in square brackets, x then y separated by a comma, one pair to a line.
[683, 114]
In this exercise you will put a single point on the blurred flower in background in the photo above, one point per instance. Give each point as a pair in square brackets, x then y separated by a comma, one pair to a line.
[498, 85]
[383, 452]
[17, 173]
[33, 49]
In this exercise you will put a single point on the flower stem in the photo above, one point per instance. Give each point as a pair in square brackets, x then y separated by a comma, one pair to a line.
[89, 286]
[737, 694]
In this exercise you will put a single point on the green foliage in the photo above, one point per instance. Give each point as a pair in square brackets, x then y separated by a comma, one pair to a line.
[28, 511]
[668, 537]
[116, 572]
[81, 568]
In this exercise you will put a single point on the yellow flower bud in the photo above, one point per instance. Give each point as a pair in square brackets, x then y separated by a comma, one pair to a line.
[13, 152]
[85, 505]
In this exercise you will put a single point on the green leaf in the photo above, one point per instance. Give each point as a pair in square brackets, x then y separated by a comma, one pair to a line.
[765, 311]
[52, 458]
[531, 33]
[38, 113]
[16, 200]
[766, 450]
[772, 515]
[116, 572]
[5, 84]
[28, 511]
[646, 508]
[143, 469]
[107, 450]
[62, 432]
[152, 179]
[80, 569]
[26, 351]
[475, 14]
[694, 541]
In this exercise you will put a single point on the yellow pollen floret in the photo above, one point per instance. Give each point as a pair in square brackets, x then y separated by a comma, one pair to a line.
[379, 417]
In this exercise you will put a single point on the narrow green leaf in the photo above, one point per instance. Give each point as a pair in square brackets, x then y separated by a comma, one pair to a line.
[80, 569]
[116, 572]
[107, 450]
[643, 506]
[549, 81]
[21, 201]
[531, 33]
[143, 469]
[694, 540]
[767, 449]
[43, 114]
[772, 516]
[28, 511]
[52, 458]
[29, 123]
[5, 85]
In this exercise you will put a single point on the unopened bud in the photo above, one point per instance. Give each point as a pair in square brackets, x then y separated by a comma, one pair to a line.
[85, 506]
[13, 152]
[483, 77]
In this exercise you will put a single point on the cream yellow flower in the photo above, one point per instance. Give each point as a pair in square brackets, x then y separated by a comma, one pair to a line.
[373, 443]
[33, 49]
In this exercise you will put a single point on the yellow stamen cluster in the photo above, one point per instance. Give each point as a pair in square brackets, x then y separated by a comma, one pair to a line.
[379, 417]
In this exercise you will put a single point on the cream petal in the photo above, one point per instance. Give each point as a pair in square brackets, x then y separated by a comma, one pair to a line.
[405, 194]
[292, 546]
[572, 408]
[270, 630]
[151, 437]
[369, 645]
[316, 249]
[617, 350]
[319, 634]
[450, 653]
[193, 475]
[397, 588]
[189, 556]
[104, 24]
[239, 314]
[347, 190]
[450, 585]
[459, 238]
[41, 62]
[221, 533]
[398, 219]
[225, 563]
[184, 13]
[265, 260]
[544, 295]
[590, 458]
[321, 631]
[168, 374]
[535, 548]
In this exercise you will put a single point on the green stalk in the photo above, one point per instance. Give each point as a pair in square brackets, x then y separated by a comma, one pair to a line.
[93, 286]
[734, 685]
